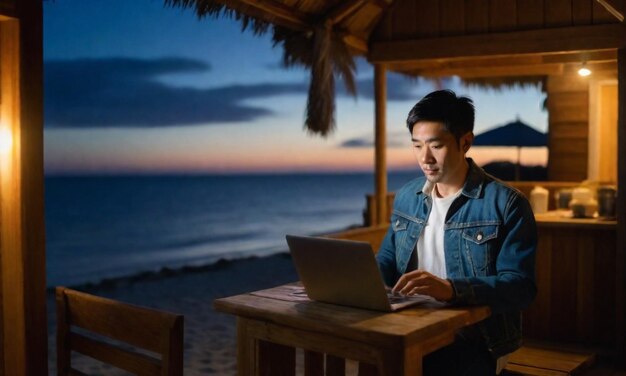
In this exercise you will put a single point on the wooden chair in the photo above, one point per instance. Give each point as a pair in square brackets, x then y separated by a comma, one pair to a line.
[141, 328]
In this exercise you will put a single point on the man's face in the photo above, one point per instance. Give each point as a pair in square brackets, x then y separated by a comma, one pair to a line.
[440, 157]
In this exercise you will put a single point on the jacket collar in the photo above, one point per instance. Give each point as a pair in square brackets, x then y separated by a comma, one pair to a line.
[472, 187]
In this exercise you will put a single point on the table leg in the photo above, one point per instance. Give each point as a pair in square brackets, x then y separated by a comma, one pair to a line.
[246, 350]
[276, 360]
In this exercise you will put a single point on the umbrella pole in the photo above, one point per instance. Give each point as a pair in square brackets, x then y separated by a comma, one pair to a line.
[517, 165]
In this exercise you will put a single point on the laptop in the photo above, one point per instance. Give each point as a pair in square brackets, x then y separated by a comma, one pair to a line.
[344, 272]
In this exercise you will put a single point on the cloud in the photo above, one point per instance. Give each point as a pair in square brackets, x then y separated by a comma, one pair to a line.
[399, 139]
[126, 92]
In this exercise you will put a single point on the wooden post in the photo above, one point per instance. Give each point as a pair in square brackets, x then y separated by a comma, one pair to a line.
[380, 90]
[621, 207]
[23, 330]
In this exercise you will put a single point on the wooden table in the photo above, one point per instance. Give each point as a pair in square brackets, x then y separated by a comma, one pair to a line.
[272, 323]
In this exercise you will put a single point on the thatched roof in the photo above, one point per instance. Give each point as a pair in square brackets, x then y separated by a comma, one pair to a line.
[493, 46]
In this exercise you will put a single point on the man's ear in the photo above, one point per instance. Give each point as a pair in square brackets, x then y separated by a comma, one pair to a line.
[466, 141]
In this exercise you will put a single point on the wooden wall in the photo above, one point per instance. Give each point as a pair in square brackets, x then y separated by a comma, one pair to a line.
[577, 281]
[568, 119]
[414, 19]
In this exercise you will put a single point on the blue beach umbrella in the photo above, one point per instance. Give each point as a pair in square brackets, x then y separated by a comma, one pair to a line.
[515, 134]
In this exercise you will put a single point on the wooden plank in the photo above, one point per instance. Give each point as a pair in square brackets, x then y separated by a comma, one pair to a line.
[496, 71]
[562, 131]
[335, 366]
[621, 212]
[276, 359]
[14, 269]
[404, 23]
[517, 369]
[476, 16]
[246, 349]
[24, 325]
[426, 18]
[605, 286]
[558, 13]
[135, 325]
[568, 98]
[451, 17]
[320, 343]
[530, 14]
[552, 359]
[569, 114]
[615, 7]
[585, 297]
[130, 361]
[536, 323]
[563, 294]
[576, 38]
[582, 12]
[502, 15]
[573, 146]
[313, 363]
[601, 15]
[31, 198]
[566, 83]
[366, 369]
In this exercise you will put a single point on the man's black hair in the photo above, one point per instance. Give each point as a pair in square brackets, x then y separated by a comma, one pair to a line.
[443, 106]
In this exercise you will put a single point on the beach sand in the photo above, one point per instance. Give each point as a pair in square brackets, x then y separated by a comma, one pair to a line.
[209, 336]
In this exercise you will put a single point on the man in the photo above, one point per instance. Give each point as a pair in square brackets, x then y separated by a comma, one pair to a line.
[461, 236]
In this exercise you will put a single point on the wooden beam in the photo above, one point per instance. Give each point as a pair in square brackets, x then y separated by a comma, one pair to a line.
[274, 12]
[344, 10]
[356, 43]
[380, 137]
[498, 71]
[614, 8]
[554, 40]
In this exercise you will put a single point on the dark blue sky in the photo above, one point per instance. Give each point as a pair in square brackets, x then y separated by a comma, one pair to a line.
[136, 86]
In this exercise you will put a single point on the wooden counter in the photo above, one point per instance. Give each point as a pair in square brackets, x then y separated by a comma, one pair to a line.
[577, 274]
[557, 220]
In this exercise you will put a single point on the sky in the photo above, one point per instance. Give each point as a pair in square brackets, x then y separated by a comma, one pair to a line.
[137, 87]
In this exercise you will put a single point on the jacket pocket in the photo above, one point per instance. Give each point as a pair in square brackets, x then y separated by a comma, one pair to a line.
[480, 246]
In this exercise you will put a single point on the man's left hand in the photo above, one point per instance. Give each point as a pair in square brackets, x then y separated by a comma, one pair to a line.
[424, 283]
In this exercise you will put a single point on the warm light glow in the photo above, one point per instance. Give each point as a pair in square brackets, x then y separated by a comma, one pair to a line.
[6, 140]
[584, 71]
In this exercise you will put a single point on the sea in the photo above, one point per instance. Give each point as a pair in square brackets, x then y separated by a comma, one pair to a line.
[102, 227]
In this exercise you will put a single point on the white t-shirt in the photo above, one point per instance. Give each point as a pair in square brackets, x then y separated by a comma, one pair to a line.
[430, 253]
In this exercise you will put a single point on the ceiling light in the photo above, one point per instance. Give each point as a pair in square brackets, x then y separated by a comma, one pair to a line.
[584, 71]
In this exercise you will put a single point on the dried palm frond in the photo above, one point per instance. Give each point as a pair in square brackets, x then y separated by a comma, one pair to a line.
[499, 83]
[325, 52]
[320, 109]
[217, 9]
[322, 49]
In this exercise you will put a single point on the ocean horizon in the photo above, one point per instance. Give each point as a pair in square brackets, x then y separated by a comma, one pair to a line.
[111, 226]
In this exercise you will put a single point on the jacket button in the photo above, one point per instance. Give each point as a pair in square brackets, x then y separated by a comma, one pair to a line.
[479, 236]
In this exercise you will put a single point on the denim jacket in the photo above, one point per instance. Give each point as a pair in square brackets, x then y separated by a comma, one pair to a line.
[490, 238]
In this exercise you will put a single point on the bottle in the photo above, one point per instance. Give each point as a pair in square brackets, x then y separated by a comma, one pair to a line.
[539, 200]
[606, 202]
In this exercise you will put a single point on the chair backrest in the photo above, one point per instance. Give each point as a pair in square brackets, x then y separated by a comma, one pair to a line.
[142, 328]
